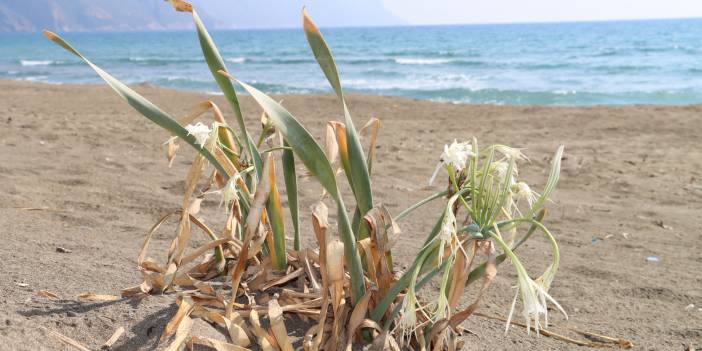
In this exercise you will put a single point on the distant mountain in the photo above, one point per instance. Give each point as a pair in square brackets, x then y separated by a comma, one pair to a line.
[138, 15]
[287, 13]
[89, 15]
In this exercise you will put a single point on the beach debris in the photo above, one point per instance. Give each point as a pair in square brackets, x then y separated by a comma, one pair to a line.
[113, 339]
[660, 223]
[652, 259]
[91, 296]
[22, 285]
[593, 340]
[68, 341]
[625, 235]
[47, 294]
[60, 249]
[690, 307]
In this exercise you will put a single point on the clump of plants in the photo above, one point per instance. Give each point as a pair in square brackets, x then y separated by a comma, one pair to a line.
[249, 281]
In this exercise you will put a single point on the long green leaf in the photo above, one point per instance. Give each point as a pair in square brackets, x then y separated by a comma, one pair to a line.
[358, 167]
[291, 190]
[275, 216]
[216, 63]
[141, 104]
[313, 157]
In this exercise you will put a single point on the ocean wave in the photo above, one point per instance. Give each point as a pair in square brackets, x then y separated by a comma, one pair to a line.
[415, 53]
[363, 60]
[35, 78]
[157, 61]
[236, 59]
[29, 63]
[422, 61]
[551, 97]
[285, 61]
[613, 69]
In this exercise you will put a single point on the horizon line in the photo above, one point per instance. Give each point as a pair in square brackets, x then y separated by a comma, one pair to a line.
[383, 25]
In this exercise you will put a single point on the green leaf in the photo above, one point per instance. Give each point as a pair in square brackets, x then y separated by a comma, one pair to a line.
[313, 157]
[275, 216]
[216, 63]
[142, 105]
[357, 166]
[291, 190]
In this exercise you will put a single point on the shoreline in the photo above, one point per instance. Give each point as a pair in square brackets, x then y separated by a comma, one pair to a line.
[80, 170]
[357, 93]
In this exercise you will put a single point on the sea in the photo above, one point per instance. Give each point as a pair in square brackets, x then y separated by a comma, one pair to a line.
[572, 64]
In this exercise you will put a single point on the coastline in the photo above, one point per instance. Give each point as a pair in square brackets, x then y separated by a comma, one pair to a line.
[95, 173]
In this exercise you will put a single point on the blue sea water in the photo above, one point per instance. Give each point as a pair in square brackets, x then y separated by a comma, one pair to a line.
[624, 62]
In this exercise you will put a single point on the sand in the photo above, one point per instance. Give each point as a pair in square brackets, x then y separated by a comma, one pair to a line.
[80, 170]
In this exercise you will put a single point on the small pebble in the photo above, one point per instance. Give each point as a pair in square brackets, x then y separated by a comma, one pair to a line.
[22, 285]
[71, 314]
[62, 250]
[690, 307]
[652, 259]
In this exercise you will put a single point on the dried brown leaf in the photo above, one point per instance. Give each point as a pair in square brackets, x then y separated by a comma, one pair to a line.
[171, 152]
[184, 309]
[68, 341]
[237, 333]
[284, 279]
[47, 294]
[358, 315]
[253, 221]
[488, 276]
[335, 270]
[181, 334]
[113, 339]
[265, 340]
[154, 228]
[91, 296]
[216, 344]
[275, 315]
[181, 6]
[374, 125]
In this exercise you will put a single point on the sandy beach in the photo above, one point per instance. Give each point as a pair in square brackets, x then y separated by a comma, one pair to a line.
[83, 177]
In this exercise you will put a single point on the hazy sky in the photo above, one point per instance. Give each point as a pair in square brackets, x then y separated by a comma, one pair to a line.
[500, 11]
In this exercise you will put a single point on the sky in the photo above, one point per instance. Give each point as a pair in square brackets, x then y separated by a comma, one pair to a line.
[87, 15]
[421, 12]
[339, 13]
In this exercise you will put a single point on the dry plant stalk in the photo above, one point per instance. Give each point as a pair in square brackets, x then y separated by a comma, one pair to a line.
[248, 282]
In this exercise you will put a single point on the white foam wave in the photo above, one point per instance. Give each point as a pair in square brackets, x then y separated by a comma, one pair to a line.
[236, 59]
[35, 62]
[421, 61]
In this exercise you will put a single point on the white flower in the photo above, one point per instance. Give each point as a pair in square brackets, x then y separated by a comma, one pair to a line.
[524, 192]
[499, 170]
[448, 229]
[454, 155]
[511, 152]
[200, 131]
[408, 318]
[457, 154]
[534, 298]
[543, 284]
[448, 226]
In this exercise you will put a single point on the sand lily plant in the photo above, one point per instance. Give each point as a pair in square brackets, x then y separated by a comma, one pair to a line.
[249, 281]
